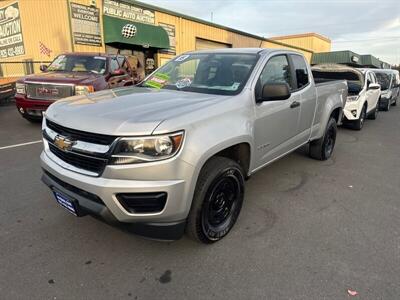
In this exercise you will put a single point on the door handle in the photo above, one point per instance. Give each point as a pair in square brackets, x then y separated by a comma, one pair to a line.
[294, 104]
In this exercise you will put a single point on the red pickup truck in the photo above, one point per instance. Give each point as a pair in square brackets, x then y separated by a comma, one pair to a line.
[72, 74]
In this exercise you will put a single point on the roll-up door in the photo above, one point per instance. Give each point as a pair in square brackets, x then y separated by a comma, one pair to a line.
[202, 44]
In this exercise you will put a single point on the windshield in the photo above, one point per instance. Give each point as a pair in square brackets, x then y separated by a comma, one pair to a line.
[210, 73]
[383, 80]
[78, 63]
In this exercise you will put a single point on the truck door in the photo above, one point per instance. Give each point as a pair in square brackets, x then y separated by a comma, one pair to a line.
[308, 97]
[276, 124]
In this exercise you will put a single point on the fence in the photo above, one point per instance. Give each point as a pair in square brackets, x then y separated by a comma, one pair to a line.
[15, 69]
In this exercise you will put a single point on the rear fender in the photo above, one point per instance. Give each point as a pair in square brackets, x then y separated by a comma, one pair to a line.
[332, 103]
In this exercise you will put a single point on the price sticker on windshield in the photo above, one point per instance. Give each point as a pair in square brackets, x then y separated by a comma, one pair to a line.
[157, 81]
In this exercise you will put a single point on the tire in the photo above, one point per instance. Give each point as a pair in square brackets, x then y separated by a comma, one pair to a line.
[395, 102]
[358, 124]
[388, 104]
[217, 200]
[33, 119]
[322, 148]
[374, 114]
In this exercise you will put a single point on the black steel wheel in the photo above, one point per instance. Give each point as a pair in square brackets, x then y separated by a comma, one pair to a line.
[217, 201]
[329, 141]
[322, 148]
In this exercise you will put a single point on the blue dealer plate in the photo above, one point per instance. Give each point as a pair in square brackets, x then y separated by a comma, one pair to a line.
[65, 202]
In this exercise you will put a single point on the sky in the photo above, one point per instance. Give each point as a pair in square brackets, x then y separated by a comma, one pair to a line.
[362, 26]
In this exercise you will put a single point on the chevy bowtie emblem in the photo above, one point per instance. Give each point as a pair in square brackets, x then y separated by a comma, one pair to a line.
[63, 143]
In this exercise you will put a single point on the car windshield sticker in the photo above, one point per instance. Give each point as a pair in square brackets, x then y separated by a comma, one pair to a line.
[185, 82]
[157, 81]
[182, 57]
[235, 86]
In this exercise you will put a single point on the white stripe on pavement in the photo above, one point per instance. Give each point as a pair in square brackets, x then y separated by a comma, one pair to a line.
[20, 145]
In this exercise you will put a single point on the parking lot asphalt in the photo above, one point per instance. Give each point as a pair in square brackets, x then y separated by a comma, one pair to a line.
[307, 230]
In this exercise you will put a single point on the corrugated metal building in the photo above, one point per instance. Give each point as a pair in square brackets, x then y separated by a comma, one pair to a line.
[349, 58]
[38, 30]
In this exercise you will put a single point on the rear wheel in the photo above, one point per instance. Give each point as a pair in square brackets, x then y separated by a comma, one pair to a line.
[217, 200]
[358, 124]
[322, 148]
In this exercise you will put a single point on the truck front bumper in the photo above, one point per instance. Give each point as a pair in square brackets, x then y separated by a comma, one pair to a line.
[31, 108]
[98, 196]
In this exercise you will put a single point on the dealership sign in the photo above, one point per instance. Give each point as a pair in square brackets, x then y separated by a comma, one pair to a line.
[85, 21]
[127, 11]
[11, 40]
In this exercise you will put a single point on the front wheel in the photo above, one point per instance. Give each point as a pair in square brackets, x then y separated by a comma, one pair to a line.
[217, 200]
[322, 148]
[358, 124]
[388, 104]
[374, 114]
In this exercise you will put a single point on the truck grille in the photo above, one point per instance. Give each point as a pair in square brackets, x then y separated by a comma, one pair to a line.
[47, 91]
[93, 162]
[84, 136]
[80, 161]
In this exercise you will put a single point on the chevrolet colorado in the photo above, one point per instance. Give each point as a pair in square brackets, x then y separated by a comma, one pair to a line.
[172, 154]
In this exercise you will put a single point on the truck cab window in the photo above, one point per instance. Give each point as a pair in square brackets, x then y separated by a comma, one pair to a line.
[301, 71]
[276, 71]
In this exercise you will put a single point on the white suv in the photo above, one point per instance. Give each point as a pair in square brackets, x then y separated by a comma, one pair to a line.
[363, 91]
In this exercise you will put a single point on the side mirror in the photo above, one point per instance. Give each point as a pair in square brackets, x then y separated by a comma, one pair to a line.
[374, 86]
[117, 72]
[43, 68]
[274, 92]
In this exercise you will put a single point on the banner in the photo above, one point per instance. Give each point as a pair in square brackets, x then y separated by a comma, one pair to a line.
[127, 11]
[85, 21]
[11, 40]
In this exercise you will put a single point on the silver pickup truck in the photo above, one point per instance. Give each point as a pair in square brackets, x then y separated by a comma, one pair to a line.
[172, 155]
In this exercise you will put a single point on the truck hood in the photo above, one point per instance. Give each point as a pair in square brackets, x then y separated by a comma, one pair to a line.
[127, 111]
[62, 77]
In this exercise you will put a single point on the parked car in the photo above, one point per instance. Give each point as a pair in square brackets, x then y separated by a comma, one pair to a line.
[390, 82]
[363, 91]
[70, 74]
[173, 153]
[7, 89]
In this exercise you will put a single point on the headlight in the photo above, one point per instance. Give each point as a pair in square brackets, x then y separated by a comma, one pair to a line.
[352, 98]
[147, 149]
[20, 88]
[83, 89]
